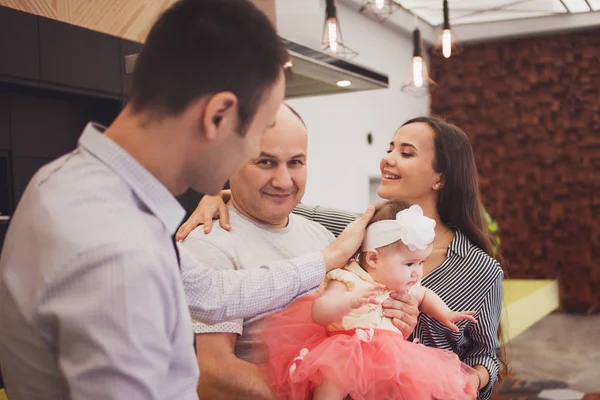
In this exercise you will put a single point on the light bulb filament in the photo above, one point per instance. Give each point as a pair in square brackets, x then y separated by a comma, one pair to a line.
[447, 43]
[332, 34]
[418, 71]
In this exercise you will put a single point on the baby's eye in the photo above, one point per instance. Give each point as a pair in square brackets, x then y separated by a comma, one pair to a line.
[410, 264]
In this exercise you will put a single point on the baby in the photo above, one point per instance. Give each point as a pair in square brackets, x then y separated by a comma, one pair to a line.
[338, 342]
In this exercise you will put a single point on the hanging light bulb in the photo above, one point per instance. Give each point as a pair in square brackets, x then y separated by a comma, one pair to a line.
[332, 33]
[379, 4]
[419, 83]
[417, 59]
[447, 42]
[418, 71]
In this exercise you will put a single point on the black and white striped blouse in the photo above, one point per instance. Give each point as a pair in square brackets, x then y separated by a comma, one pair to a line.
[468, 279]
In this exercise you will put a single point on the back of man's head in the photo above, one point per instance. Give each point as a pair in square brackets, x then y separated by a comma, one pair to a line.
[202, 47]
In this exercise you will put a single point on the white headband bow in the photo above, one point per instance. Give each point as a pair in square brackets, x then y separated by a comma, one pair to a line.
[414, 229]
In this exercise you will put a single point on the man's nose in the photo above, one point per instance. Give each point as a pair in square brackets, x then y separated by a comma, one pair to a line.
[282, 179]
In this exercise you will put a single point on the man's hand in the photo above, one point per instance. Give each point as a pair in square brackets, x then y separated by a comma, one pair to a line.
[472, 388]
[224, 376]
[209, 208]
[403, 309]
[346, 245]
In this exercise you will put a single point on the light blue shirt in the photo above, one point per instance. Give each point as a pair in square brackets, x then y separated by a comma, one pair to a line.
[92, 304]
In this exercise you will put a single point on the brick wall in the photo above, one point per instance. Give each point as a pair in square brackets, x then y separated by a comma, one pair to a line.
[531, 107]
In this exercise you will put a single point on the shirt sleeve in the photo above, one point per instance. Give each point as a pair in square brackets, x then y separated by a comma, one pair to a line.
[484, 336]
[215, 296]
[215, 257]
[112, 323]
[333, 220]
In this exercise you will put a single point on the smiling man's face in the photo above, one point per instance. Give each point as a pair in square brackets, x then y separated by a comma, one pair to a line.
[268, 187]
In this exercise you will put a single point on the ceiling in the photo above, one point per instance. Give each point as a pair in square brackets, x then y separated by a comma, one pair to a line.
[485, 20]
[478, 11]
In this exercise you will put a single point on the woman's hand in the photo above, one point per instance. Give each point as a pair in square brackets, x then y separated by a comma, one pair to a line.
[209, 208]
[403, 310]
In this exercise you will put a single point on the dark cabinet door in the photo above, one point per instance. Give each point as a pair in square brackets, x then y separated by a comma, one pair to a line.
[79, 58]
[4, 123]
[40, 126]
[19, 46]
[23, 170]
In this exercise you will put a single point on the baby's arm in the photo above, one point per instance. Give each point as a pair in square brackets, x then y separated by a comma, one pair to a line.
[337, 301]
[432, 305]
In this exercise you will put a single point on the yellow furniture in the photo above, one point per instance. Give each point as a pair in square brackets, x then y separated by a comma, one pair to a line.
[526, 302]
[3, 395]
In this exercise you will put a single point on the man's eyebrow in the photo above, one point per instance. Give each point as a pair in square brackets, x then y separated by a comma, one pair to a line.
[267, 155]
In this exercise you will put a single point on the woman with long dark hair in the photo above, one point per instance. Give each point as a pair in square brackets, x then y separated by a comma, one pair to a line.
[430, 163]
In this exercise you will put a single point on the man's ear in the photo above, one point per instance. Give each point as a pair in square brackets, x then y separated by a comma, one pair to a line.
[220, 115]
[372, 258]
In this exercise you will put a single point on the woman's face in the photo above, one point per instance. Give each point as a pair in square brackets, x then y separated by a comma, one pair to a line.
[407, 170]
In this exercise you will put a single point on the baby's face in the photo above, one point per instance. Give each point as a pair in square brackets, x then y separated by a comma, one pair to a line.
[400, 269]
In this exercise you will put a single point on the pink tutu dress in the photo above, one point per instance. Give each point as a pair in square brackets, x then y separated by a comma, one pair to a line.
[364, 353]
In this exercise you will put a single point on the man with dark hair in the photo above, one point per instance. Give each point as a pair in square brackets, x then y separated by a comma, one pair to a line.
[198, 48]
[91, 297]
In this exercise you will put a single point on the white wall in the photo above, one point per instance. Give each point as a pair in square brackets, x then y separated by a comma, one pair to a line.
[340, 160]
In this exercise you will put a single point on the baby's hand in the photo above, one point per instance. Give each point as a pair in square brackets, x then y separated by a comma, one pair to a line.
[367, 296]
[453, 316]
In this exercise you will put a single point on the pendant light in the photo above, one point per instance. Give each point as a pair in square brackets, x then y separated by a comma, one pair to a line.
[419, 84]
[379, 9]
[332, 34]
[447, 43]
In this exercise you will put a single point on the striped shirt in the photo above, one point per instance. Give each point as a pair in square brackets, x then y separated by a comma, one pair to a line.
[468, 279]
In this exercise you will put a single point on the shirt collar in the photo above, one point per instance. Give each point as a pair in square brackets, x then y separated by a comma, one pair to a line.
[148, 189]
[460, 244]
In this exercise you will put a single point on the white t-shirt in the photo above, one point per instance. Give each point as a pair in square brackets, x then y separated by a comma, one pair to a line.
[251, 244]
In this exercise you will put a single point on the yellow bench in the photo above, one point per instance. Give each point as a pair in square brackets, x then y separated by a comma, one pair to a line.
[526, 302]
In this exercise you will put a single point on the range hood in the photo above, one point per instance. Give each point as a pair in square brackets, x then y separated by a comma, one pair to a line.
[317, 73]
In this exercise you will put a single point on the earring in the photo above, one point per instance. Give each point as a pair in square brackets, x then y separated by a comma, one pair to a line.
[436, 186]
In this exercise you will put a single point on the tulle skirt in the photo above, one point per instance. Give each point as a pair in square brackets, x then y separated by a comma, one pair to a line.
[366, 364]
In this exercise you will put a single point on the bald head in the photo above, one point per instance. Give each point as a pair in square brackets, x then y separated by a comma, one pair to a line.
[267, 188]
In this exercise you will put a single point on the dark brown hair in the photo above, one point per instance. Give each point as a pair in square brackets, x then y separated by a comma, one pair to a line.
[459, 204]
[201, 47]
[387, 210]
